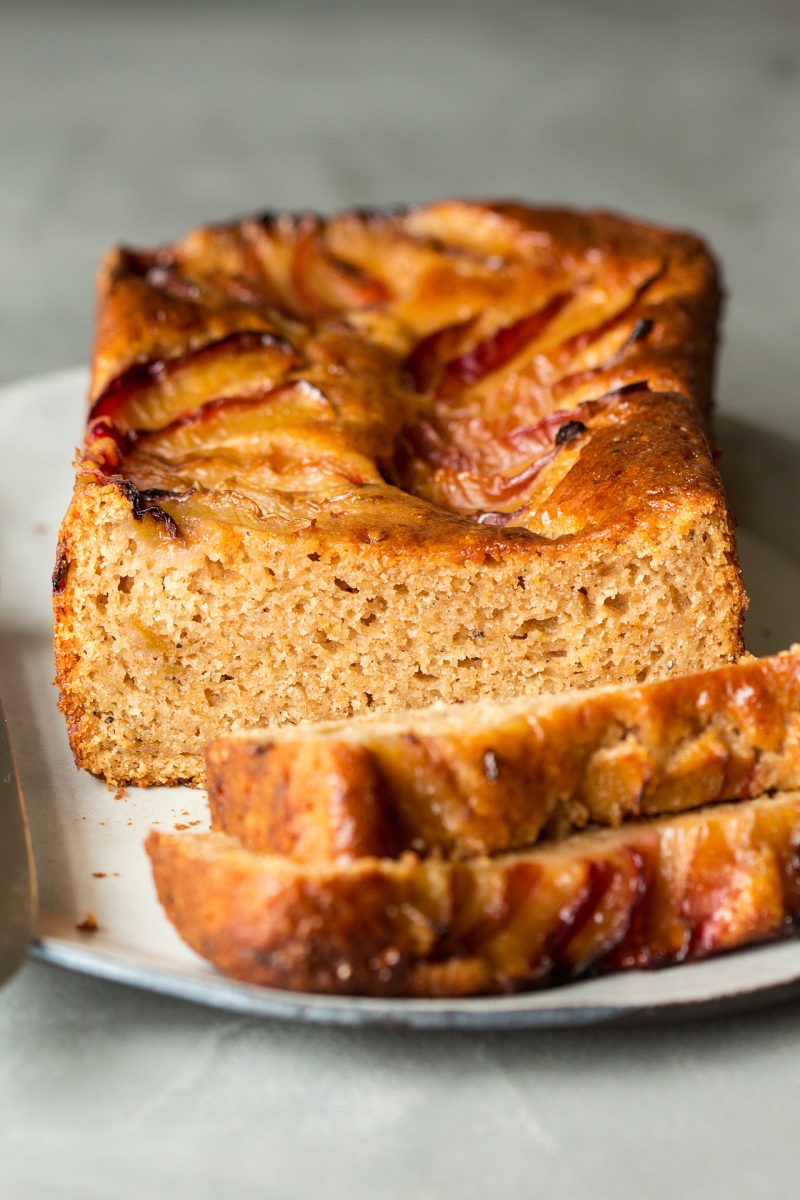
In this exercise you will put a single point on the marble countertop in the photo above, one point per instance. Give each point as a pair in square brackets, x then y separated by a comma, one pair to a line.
[132, 123]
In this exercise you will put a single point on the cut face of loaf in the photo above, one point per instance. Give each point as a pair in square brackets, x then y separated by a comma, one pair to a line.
[383, 460]
[645, 895]
[479, 778]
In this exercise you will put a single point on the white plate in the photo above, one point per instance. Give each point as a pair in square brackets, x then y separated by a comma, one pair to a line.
[88, 843]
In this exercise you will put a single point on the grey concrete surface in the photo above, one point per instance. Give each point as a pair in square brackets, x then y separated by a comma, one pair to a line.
[132, 122]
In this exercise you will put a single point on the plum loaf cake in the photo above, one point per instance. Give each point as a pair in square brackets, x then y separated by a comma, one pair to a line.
[443, 453]
[645, 895]
[464, 780]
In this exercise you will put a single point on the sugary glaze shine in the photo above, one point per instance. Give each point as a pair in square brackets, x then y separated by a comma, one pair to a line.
[646, 895]
[498, 775]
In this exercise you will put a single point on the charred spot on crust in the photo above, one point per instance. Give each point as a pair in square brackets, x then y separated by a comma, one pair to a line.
[143, 504]
[366, 213]
[259, 749]
[568, 432]
[60, 571]
[640, 330]
[627, 389]
[293, 219]
[266, 218]
[138, 263]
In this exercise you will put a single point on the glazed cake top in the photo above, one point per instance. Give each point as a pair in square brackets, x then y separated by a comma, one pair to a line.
[479, 374]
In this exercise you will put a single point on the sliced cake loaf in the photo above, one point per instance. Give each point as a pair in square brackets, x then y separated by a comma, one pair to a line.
[496, 775]
[648, 894]
[386, 459]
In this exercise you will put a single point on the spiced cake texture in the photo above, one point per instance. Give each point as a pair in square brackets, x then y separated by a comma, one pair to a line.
[645, 895]
[371, 462]
[495, 776]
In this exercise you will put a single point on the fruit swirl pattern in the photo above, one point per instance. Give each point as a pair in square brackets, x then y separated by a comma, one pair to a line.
[457, 355]
[657, 893]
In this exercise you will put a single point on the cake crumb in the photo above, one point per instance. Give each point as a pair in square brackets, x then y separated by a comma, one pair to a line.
[120, 794]
[88, 924]
[98, 874]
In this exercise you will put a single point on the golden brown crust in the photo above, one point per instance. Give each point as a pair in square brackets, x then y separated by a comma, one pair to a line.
[668, 891]
[310, 801]
[483, 778]
[279, 273]
[464, 413]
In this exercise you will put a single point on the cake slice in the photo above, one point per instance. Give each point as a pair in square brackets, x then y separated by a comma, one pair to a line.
[376, 461]
[478, 778]
[645, 895]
